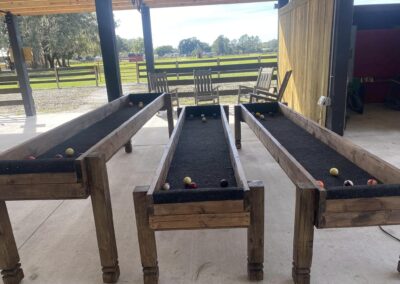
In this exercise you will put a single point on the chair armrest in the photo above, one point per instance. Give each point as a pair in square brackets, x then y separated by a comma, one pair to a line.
[216, 88]
[241, 87]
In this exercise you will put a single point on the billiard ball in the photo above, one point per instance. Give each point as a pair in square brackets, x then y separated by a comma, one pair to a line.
[348, 183]
[258, 114]
[193, 185]
[372, 181]
[187, 180]
[140, 104]
[223, 183]
[69, 152]
[31, 157]
[58, 156]
[262, 116]
[334, 172]
[202, 115]
[320, 183]
[204, 119]
[130, 104]
[166, 186]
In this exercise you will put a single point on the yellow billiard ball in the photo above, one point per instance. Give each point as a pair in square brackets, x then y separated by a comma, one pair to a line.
[334, 172]
[187, 180]
[69, 152]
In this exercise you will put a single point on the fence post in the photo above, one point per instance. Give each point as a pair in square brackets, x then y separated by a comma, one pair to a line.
[218, 61]
[177, 67]
[57, 76]
[259, 59]
[99, 70]
[137, 72]
[96, 75]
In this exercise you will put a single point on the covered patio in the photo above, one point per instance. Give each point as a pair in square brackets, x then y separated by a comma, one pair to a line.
[56, 240]
[57, 243]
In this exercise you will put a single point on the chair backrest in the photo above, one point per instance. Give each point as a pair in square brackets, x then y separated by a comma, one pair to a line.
[158, 82]
[203, 81]
[264, 78]
[284, 84]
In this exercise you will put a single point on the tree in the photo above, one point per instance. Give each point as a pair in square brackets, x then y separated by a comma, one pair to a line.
[137, 45]
[270, 46]
[249, 44]
[188, 46]
[164, 49]
[221, 45]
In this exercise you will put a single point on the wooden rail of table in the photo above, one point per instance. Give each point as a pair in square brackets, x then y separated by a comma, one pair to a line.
[247, 212]
[313, 208]
[88, 179]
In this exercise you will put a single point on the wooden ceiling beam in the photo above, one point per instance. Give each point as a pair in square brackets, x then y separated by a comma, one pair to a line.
[44, 7]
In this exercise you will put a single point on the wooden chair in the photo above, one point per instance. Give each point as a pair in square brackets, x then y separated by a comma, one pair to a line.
[263, 84]
[272, 97]
[203, 87]
[159, 84]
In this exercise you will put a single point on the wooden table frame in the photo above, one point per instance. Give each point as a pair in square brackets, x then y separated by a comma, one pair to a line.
[90, 179]
[313, 208]
[245, 213]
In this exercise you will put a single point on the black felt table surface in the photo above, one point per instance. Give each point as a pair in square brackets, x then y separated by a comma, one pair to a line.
[80, 142]
[315, 156]
[202, 154]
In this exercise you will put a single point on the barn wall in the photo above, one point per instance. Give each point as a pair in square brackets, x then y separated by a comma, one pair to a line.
[304, 46]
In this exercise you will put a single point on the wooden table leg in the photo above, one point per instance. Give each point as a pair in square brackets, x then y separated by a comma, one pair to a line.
[128, 147]
[103, 218]
[238, 131]
[255, 232]
[170, 113]
[146, 237]
[303, 235]
[9, 258]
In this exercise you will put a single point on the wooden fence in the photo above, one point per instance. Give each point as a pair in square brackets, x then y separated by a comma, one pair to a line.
[57, 76]
[225, 70]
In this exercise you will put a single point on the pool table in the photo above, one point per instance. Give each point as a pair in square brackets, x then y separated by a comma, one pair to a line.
[39, 169]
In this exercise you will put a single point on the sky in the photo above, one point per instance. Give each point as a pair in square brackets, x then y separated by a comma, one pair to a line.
[170, 25]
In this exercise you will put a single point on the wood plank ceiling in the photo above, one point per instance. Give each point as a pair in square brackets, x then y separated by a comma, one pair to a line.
[45, 7]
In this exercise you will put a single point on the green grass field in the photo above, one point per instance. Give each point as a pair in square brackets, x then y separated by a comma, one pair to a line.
[128, 71]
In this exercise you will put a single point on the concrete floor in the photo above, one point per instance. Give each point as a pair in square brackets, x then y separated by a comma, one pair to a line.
[57, 241]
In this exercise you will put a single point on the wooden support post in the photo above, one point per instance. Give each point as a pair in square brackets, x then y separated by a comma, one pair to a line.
[238, 130]
[20, 66]
[303, 235]
[340, 53]
[9, 258]
[128, 147]
[148, 40]
[102, 211]
[109, 50]
[146, 237]
[170, 113]
[255, 232]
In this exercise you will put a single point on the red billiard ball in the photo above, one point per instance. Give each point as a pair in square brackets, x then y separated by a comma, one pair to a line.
[372, 181]
[223, 183]
[31, 157]
[348, 183]
[193, 185]
[320, 183]
[58, 156]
